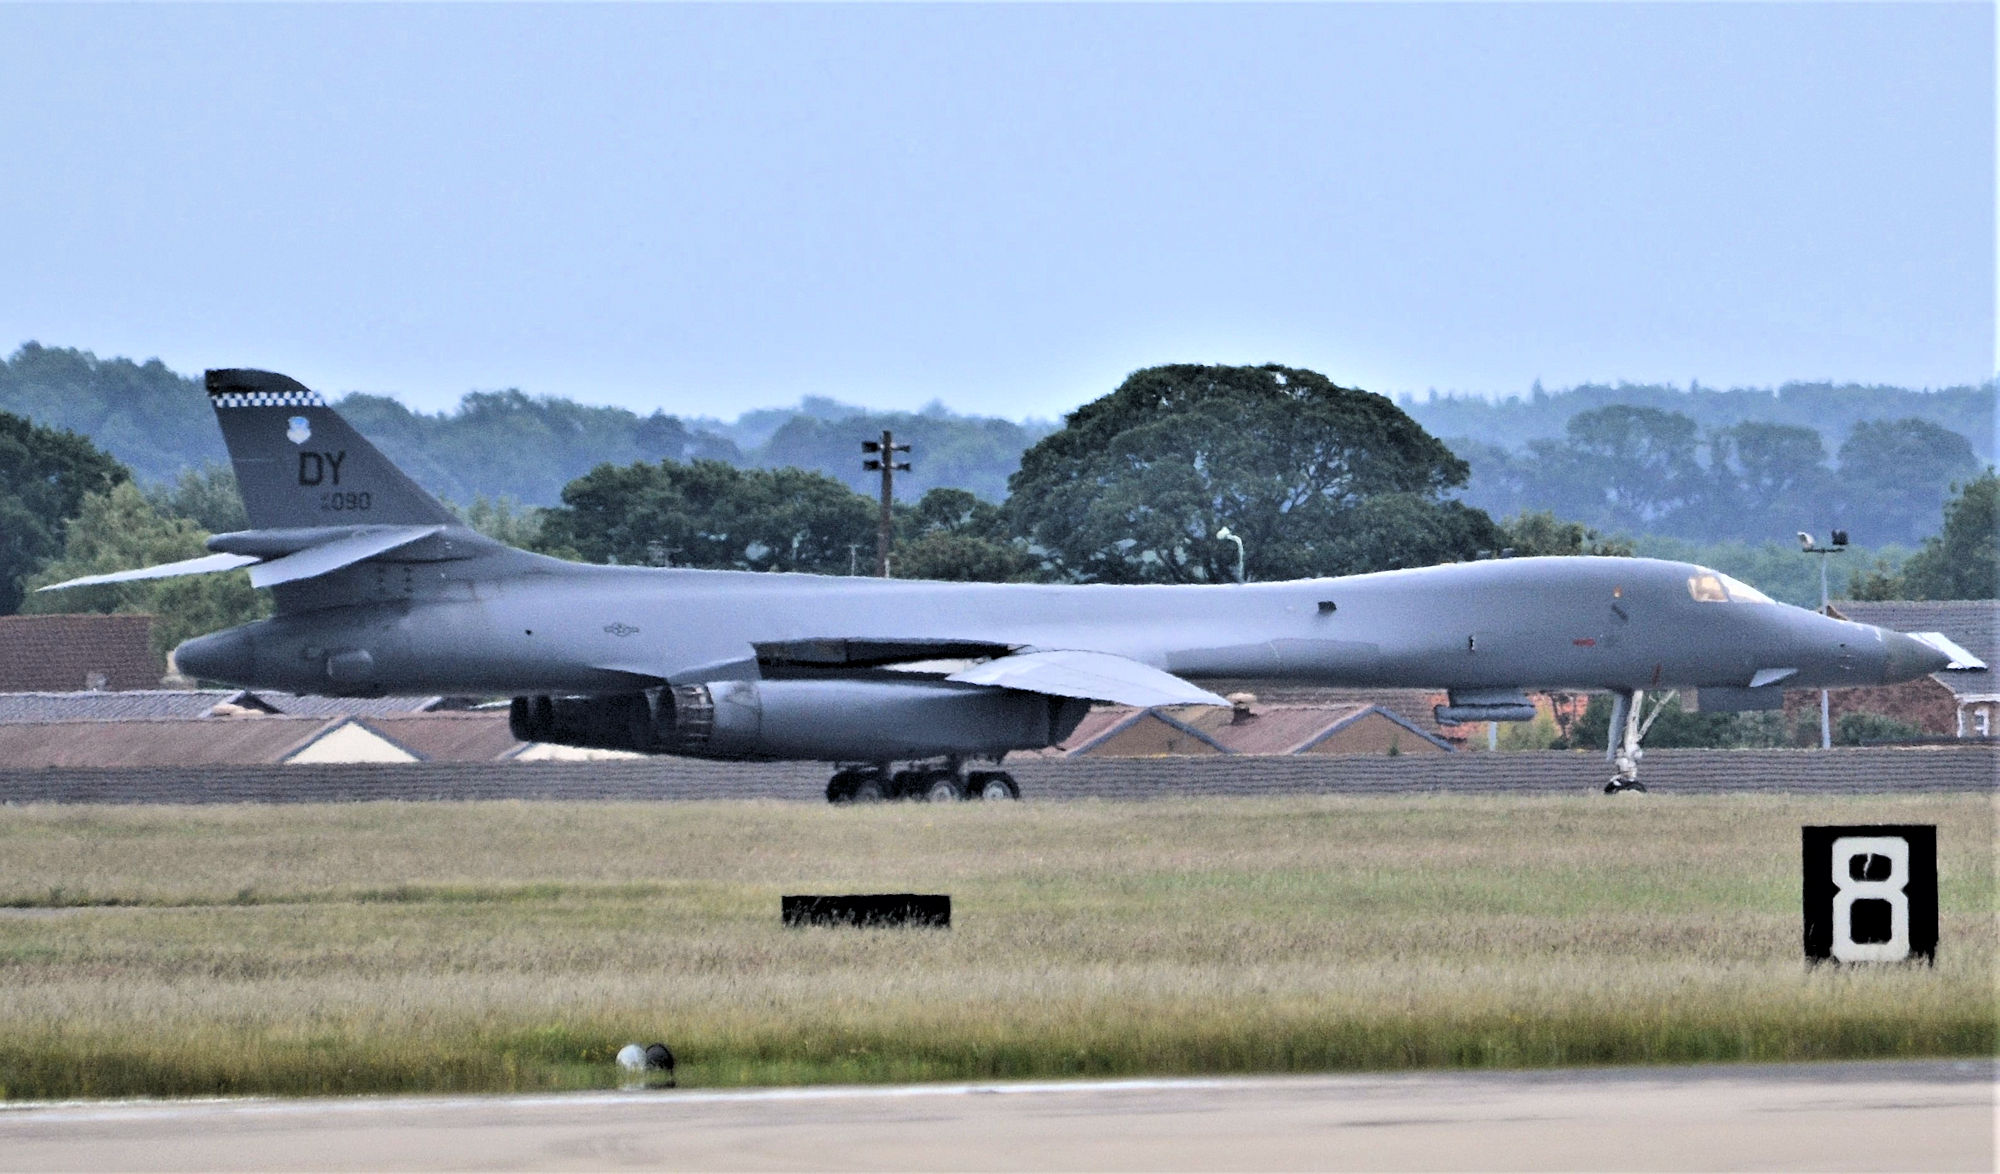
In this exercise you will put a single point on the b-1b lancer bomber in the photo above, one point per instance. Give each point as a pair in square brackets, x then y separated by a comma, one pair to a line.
[903, 685]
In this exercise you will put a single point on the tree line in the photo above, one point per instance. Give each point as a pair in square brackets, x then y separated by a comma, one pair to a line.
[1650, 462]
[1832, 409]
[1637, 469]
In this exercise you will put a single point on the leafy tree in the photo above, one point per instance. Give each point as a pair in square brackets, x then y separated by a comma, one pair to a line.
[709, 514]
[119, 530]
[1858, 729]
[152, 419]
[504, 519]
[1880, 579]
[1896, 474]
[1316, 478]
[1677, 726]
[1637, 466]
[1539, 532]
[1761, 472]
[207, 496]
[45, 476]
[953, 535]
[1962, 561]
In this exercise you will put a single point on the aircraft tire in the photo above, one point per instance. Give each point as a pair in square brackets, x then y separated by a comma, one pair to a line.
[944, 789]
[996, 786]
[868, 789]
[1624, 787]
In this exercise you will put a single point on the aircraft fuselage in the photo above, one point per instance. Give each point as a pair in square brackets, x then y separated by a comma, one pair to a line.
[557, 627]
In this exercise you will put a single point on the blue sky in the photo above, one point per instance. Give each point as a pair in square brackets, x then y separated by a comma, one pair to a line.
[709, 209]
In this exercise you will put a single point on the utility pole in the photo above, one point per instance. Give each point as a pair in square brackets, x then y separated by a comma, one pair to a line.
[1809, 546]
[887, 464]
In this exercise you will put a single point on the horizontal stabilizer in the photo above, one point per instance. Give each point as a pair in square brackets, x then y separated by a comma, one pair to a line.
[1092, 676]
[206, 564]
[345, 550]
[341, 552]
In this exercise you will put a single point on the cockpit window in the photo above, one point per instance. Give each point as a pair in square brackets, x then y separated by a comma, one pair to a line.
[1712, 587]
[1743, 592]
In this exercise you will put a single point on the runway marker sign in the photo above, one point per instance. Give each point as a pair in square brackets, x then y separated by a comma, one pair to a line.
[921, 910]
[1870, 893]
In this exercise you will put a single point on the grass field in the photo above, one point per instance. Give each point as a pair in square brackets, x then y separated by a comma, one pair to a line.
[442, 946]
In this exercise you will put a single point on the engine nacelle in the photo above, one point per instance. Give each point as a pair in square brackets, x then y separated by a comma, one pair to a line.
[813, 719]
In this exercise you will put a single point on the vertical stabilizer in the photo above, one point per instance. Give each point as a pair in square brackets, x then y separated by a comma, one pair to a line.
[299, 464]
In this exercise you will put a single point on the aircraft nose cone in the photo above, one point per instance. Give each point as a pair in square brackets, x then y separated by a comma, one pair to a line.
[218, 656]
[1908, 658]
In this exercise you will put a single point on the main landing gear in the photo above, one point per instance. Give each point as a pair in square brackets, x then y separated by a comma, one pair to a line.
[946, 782]
[1626, 731]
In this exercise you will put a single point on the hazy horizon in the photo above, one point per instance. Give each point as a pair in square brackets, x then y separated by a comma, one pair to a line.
[799, 405]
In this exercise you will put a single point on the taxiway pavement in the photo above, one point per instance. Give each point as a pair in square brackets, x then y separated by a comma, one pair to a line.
[1932, 1115]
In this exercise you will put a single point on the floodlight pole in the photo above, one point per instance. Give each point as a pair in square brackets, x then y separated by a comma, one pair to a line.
[888, 466]
[1230, 535]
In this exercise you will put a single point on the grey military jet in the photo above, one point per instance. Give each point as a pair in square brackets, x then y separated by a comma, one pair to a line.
[379, 588]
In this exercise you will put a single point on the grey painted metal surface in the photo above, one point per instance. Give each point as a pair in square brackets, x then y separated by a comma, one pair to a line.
[1865, 771]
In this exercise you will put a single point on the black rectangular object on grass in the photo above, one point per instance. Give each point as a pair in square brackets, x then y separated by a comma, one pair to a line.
[922, 910]
[1869, 893]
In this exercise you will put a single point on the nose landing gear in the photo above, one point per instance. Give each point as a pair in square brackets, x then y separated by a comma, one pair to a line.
[1622, 747]
[946, 782]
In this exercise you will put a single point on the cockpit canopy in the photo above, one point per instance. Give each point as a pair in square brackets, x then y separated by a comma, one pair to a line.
[1715, 587]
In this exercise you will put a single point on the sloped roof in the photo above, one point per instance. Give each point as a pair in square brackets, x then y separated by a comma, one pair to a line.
[1146, 733]
[189, 704]
[129, 705]
[1972, 624]
[66, 652]
[312, 705]
[167, 743]
[449, 737]
[1267, 729]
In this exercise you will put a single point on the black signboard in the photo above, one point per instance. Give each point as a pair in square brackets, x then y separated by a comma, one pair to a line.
[925, 910]
[1871, 893]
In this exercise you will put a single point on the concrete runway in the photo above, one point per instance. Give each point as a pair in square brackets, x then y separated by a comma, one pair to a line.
[1934, 1115]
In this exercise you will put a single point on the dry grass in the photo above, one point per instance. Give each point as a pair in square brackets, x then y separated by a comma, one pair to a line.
[517, 945]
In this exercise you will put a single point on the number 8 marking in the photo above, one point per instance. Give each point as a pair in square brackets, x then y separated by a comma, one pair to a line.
[1848, 890]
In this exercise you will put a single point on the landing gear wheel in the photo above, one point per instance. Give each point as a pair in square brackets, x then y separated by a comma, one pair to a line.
[1624, 786]
[994, 785]
[944, 789]
[856, 785]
